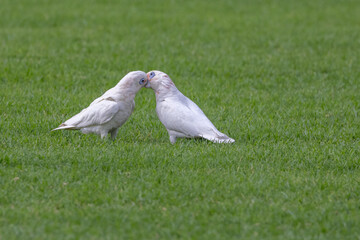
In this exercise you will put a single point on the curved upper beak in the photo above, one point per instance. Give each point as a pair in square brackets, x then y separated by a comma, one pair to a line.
[148, 81]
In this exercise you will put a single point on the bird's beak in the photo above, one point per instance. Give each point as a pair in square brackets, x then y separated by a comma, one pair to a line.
[148, 81]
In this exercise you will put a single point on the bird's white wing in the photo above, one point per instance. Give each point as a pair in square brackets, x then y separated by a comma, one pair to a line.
[182, 115]
[106, 96]
[96, 114]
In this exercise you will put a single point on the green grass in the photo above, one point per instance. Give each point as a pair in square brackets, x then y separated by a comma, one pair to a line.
[280, 77]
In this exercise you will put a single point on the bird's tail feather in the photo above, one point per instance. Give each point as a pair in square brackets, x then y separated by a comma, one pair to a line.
[64, 127]
[219, 138]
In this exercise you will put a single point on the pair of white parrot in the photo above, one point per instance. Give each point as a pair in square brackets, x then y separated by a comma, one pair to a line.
[181, 117]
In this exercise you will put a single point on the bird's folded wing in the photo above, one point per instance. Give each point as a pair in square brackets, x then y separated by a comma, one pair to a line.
[96, 114]
[180, 117]
[208, 130]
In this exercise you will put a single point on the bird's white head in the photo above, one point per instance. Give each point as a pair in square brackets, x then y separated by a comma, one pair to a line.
[158, 80]
[134, 81]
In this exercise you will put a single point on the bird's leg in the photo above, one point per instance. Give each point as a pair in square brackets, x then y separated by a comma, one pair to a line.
[172, 139]
[113, 133]
[103, 135]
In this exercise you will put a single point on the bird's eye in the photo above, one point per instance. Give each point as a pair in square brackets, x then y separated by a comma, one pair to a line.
[142, 81]
[152, 74]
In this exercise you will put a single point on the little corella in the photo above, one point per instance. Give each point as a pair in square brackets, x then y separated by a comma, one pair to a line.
[110, 111]
[181, 117]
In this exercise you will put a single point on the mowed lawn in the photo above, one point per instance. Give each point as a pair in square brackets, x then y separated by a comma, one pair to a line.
[281, 77]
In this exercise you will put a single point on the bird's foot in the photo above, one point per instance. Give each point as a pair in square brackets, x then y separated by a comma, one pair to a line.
[172, 139]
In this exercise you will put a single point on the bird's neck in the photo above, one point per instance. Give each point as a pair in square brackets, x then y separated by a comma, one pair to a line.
[124, 92]
[165, 90]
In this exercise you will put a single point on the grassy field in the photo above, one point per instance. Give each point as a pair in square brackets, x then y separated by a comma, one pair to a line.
[280, 77]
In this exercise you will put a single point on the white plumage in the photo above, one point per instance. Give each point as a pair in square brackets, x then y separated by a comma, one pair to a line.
[108, 112]
[181, 116]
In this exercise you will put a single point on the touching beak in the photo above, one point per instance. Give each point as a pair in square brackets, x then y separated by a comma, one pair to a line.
[148, 81]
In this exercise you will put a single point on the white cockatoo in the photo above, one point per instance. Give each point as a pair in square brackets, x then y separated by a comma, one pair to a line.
[108, 112]
[181, 117]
